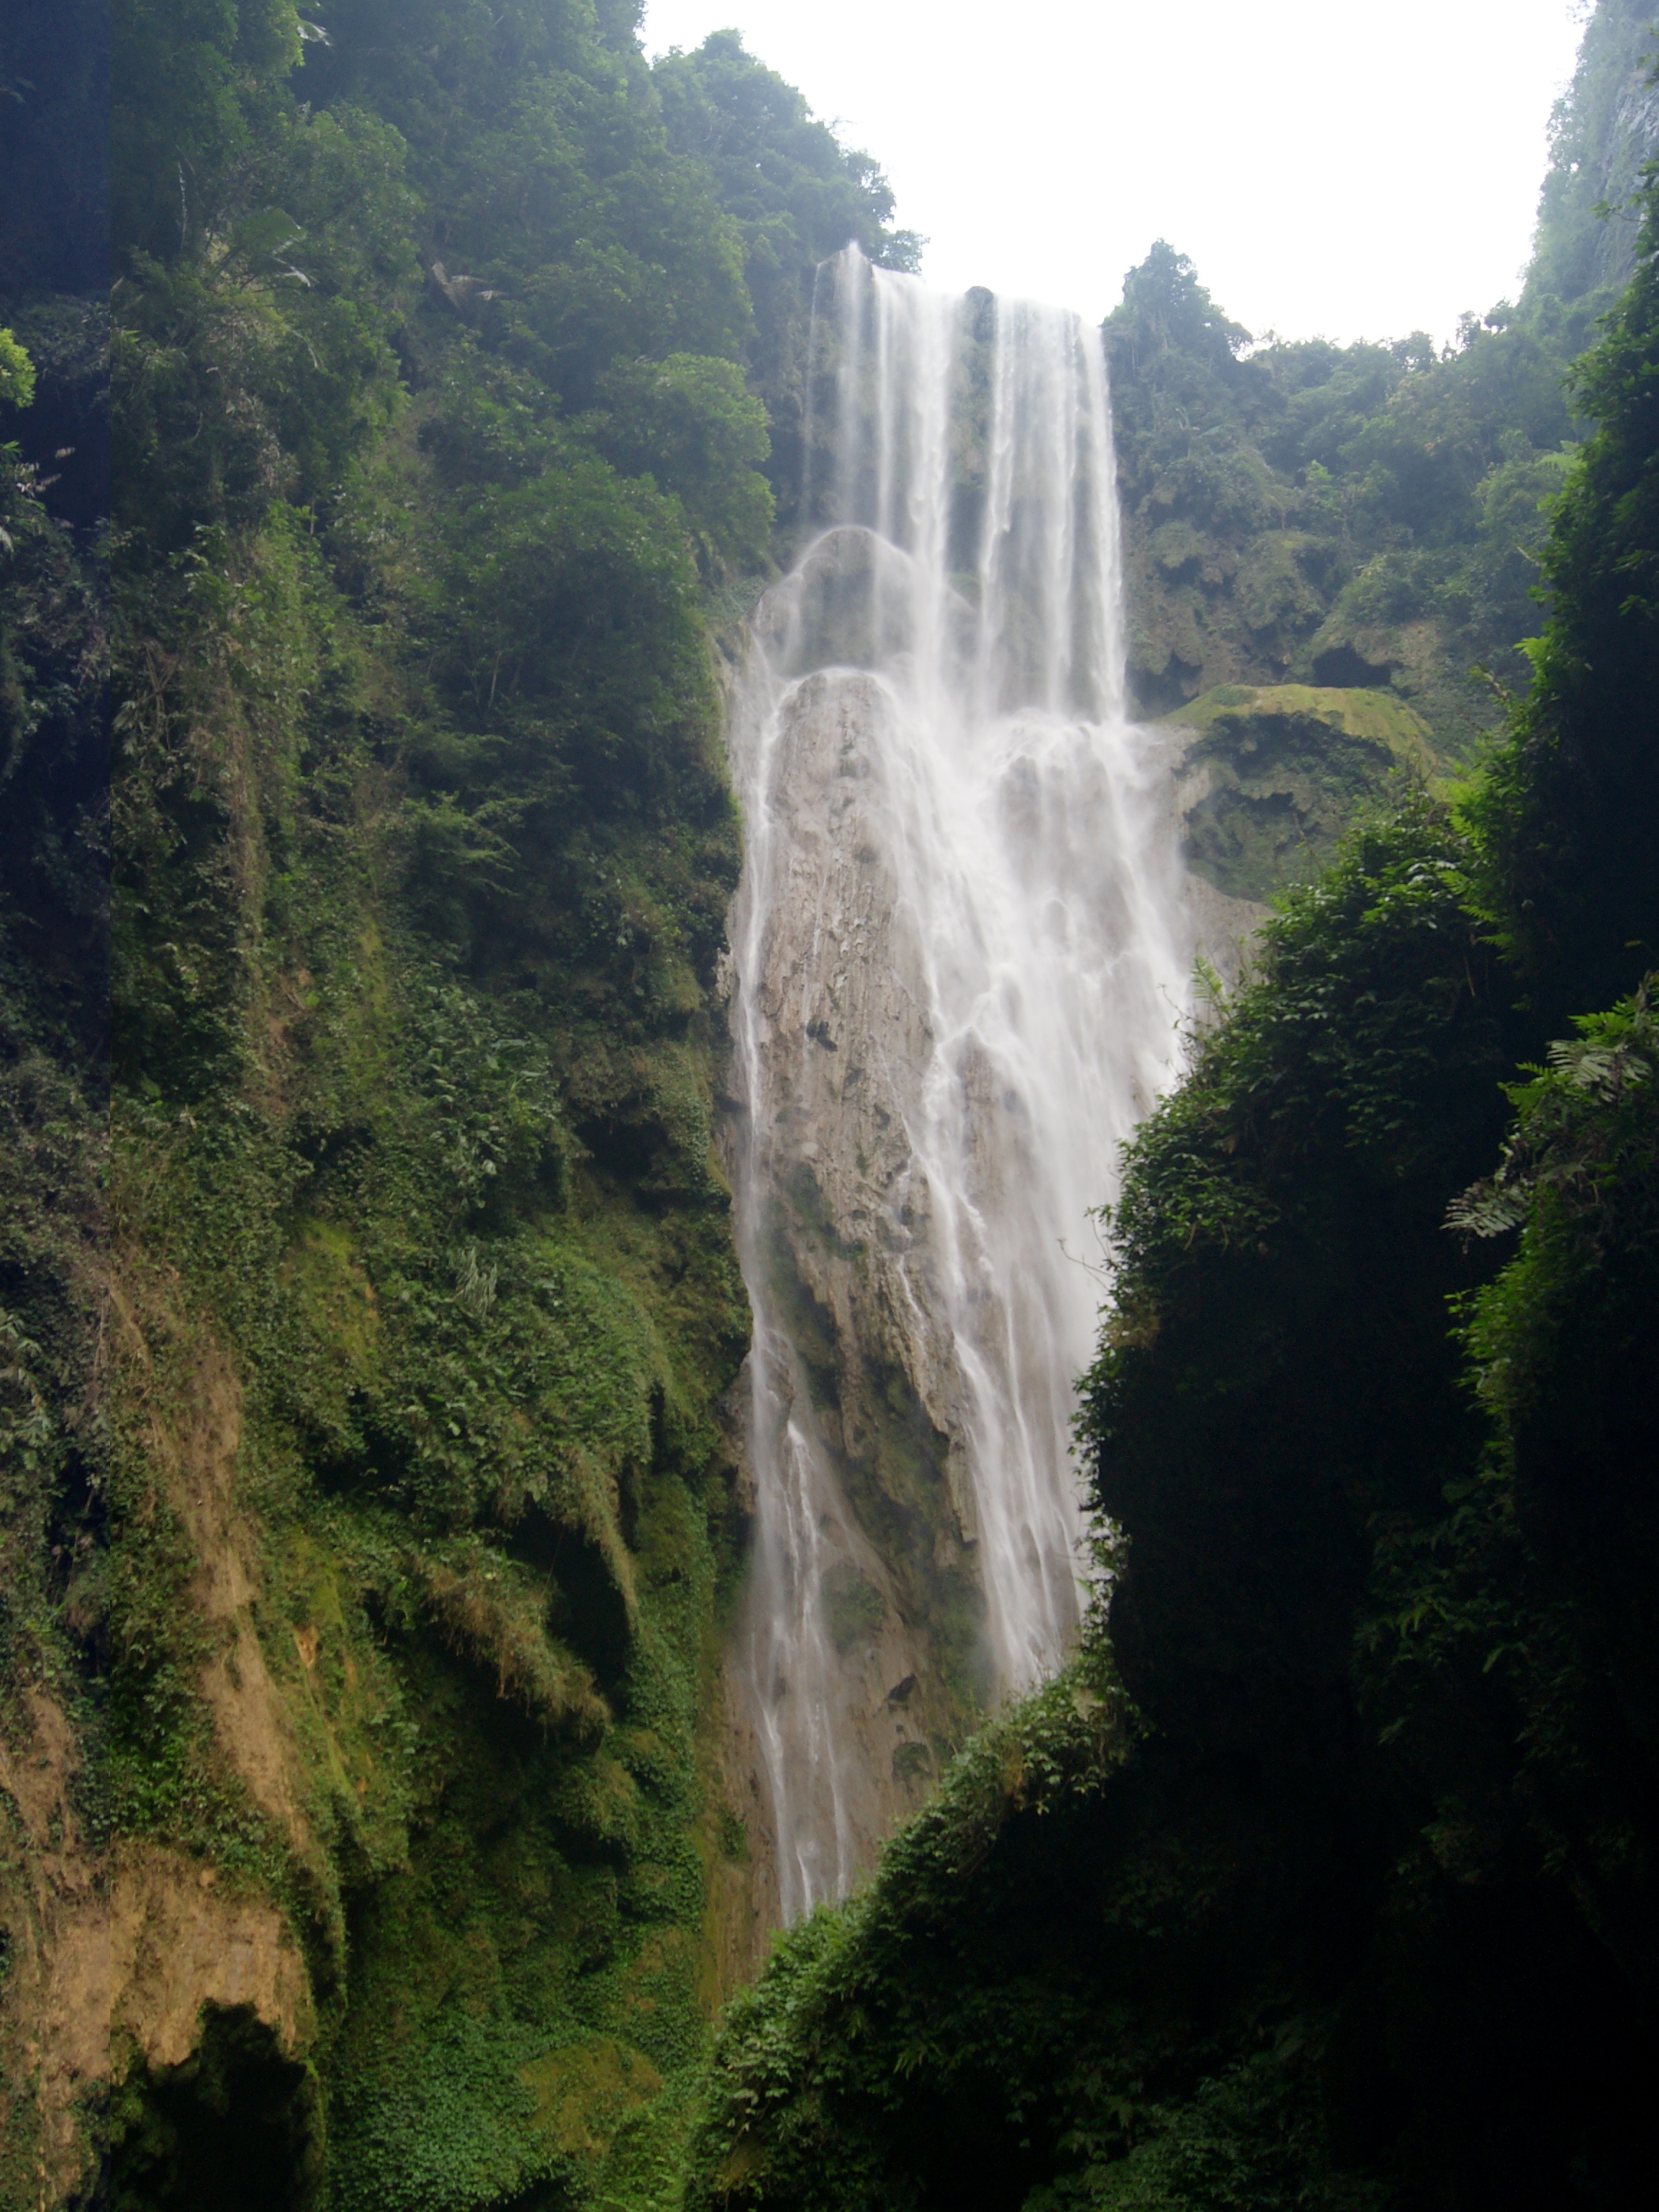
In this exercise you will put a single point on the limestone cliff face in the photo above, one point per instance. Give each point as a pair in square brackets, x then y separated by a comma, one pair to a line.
[844, 1046]
[847, 1044]
[1604, 129]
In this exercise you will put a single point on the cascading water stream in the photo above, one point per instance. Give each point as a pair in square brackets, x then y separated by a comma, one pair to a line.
[961, 964]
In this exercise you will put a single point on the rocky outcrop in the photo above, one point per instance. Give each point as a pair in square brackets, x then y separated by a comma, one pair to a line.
[1267, 777]
[179, 1941]
[844, 1045]
[959, 966]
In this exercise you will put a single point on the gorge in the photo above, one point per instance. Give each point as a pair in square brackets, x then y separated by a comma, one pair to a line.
[828, 1167]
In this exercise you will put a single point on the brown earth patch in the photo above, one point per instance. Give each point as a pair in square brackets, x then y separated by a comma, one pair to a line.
[178, 1935]
[196, 1457]
[177, 1943]
[54, 2026]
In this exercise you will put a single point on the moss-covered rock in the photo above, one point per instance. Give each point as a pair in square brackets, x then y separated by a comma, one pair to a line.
[1269, 775]
[426, 1301]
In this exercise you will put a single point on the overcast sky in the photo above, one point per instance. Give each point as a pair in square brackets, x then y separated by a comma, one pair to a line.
[1333, 168]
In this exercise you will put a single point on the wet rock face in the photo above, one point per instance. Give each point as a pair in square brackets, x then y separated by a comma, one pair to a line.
[851, 603]
[843, 1045]
[847, 1044]
[958, 960]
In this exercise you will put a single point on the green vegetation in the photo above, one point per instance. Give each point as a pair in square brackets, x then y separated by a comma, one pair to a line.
[16, 373]
[797, 196]
[440, 432]
[1272, 775]
[1348, 1901]
[1365, 515]
[369, 1266]
[54, 707]
[895, 2052]
[1373, 515]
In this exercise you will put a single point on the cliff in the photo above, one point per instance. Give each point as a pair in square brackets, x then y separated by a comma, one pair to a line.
[436, 462]
[375, 1834]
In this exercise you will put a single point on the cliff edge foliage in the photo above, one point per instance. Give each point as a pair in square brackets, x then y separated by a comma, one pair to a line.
[1374, 514]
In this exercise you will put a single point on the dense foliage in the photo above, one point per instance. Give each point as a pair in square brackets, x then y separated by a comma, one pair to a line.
[1350, 1903]
[53, 1059]
[1567, 809]
[798, 196]
[440, 441]
[1374, 514]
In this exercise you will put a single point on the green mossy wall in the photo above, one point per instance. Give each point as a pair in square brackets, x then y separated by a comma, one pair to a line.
[419, 1477]
[1272, 775]
[439, 459]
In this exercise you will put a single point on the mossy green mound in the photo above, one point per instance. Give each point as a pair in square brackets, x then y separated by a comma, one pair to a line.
[1275, 772]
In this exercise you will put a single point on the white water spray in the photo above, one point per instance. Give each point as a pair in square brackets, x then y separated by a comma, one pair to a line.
[961, 962]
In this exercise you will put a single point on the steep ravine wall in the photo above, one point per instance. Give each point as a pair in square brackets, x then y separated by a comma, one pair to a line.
[443, 1839]
[420, 1337]
[437, 1843]
[424, 1313]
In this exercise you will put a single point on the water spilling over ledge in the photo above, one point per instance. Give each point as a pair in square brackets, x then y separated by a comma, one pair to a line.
[962, 959]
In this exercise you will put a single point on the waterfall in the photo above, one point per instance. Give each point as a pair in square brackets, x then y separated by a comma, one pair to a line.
[960, 969]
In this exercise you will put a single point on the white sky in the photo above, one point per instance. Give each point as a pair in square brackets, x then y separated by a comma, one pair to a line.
[1333, 168]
